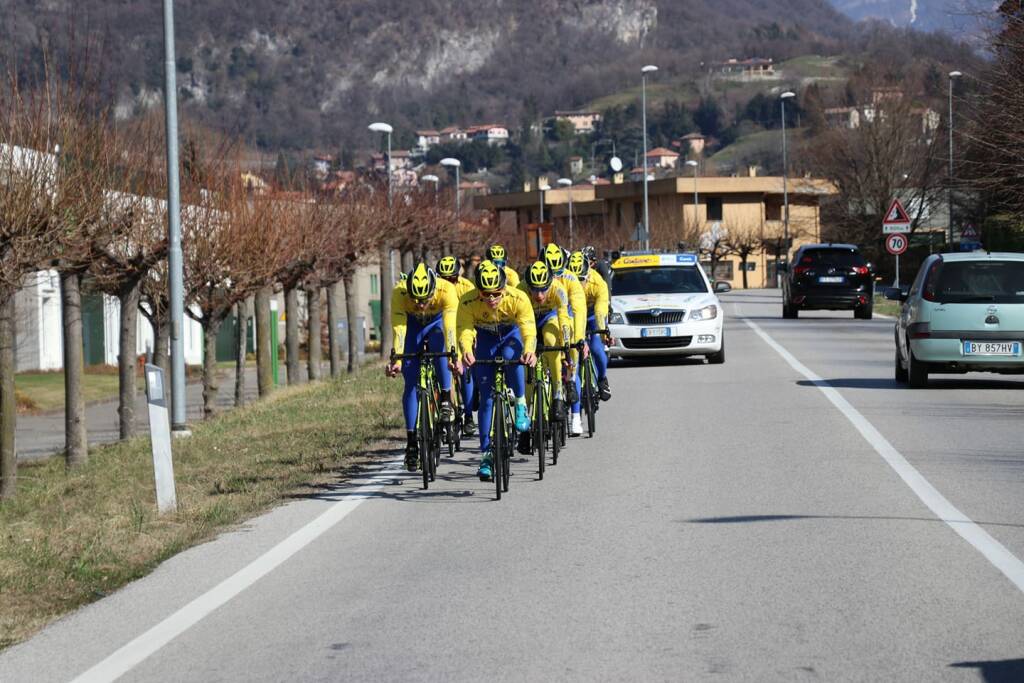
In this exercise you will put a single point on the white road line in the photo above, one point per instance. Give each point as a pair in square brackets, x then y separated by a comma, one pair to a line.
[994, 551]
[130, 655]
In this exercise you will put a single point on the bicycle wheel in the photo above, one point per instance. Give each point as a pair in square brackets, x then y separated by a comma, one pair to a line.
[510, 431]
[497, 444]
[423, 437]
[589, 397]
[539, 401]
[554, 429]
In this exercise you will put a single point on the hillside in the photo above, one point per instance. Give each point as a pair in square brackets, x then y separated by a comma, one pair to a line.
[955, 17]
[304, 74]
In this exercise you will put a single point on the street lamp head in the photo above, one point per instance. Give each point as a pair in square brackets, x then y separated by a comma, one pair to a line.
[650, 68]
[786, 95]
[430, 179]
[691, 162]
[450, 161]
[564, 182]
[955, 74]
[381, 127]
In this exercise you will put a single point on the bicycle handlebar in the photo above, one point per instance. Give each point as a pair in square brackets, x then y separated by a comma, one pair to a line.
[421, 355]
[499, 361]
[548, 349]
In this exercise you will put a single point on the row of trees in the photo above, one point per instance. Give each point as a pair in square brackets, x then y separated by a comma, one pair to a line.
[80, 195]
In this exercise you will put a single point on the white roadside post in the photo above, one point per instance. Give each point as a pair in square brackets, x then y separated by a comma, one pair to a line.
[160, 437]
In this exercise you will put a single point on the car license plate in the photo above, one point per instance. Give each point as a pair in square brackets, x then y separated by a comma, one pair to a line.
[831, 279]
[976, 348]
[655, 332]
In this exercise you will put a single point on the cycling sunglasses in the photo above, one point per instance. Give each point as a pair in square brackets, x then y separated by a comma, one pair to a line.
[492, 295]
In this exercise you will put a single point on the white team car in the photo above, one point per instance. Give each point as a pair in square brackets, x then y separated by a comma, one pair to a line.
[664, 305]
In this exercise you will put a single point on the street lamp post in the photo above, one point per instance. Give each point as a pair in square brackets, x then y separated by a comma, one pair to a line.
[650, 68]
[451, 162]
[696, 202]
[175, 279]
[953, 75]
[785, 174]
[387, 266]
[567, 184]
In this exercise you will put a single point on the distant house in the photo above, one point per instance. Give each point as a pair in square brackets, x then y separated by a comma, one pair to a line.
[425, 139]
[254, 184]
[842, 117]
[576, 165]
[582, 121]
[400, 160]
[471, 188]
[453, 134]
[694, 144]
[491, 133]
[746, 69]
[661, 157]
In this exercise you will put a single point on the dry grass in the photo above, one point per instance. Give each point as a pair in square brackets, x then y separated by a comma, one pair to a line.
[69, 538]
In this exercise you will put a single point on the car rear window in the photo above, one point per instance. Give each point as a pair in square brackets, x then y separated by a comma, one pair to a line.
[673, 280]
[844, 258]
[999, 282]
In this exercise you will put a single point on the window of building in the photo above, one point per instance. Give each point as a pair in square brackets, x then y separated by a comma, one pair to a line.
[618, 214]
[374, 285]
[723, 270]
[773, 212]
[638, 212]
[714, 208]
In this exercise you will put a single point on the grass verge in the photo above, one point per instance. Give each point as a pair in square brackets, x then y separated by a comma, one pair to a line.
[886, 307]
[44, 391]
[69, 538]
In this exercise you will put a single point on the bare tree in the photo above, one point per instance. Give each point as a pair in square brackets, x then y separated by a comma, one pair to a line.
[30, 125]
[743, 239]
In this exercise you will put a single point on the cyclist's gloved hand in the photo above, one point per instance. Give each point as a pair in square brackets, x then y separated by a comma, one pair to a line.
[529, 359]
[468, 358]
[392, 369]
[586, 351]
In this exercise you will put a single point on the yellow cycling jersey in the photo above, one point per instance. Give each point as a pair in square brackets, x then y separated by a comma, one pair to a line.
[513, 309]
[596, 291]
[578, 302]
[445, 301]
[557, 299]
[511, 276]
[463, 287]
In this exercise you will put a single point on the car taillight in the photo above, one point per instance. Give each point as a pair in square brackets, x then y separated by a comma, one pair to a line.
[860, 270]
[801, 270]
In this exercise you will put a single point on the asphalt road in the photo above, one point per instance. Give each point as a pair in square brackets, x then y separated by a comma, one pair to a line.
[739, 522]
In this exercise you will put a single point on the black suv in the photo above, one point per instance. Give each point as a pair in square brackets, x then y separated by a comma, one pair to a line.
[830, 277]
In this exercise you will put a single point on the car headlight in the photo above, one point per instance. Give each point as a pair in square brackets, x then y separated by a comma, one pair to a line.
[706, 313]
[616, 319]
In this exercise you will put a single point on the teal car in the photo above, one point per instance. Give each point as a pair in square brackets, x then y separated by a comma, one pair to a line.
[963, 313]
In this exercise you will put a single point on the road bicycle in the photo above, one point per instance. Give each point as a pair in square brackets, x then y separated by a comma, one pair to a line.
[503, 424]
[428, 401]
[590, 395]
[546, 425]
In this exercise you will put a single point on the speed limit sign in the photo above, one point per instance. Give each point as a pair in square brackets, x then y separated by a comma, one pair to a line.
[896, 243]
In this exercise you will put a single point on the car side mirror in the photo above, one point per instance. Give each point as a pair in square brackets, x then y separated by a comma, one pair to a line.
[721, 287]
[897, 293]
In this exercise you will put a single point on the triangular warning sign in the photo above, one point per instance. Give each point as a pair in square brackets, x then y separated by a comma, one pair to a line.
[896, 215]
[969, 233]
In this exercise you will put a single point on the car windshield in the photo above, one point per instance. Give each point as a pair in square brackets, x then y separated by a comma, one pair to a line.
[844, 258]
[672, 280]
[1000, 282]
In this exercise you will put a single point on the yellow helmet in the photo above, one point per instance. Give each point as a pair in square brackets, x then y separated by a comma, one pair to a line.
[421, 282]
[497, 254]
[448, 266]
[539, 276]
[489, 277]
[578, 265]
[554, 258]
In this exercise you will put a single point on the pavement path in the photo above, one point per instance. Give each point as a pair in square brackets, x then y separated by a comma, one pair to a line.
[726, 522]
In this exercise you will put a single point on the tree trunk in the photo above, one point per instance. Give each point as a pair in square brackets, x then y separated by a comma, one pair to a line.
[313, 343]
[241, 347]
[333, 341]
[211, 326]
[387, 285]
[76, 449]
[291, 330]
[351, 315]
[161, 351]
[408, 258]
[8, 403]
[126, 357]
[264, 373]
[743, 267]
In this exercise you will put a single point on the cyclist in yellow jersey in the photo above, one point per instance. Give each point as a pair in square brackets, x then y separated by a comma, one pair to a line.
[554, 257]
[499, 256]
[448, 269]
[596, 291]
[424, 310]
[554, 328]
[496, 320]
